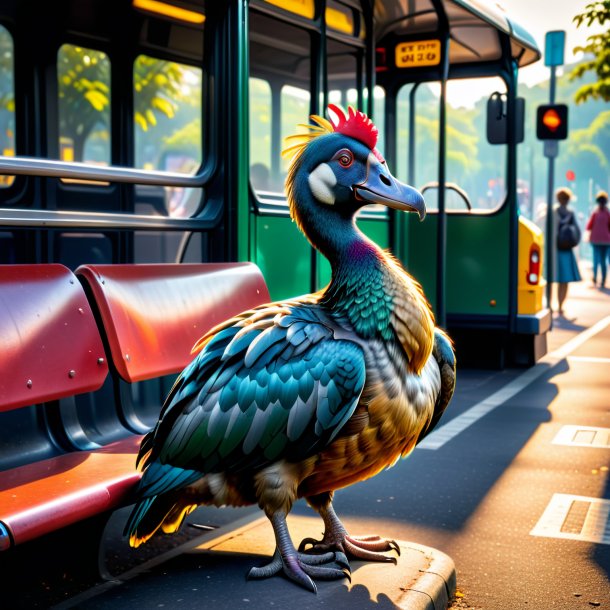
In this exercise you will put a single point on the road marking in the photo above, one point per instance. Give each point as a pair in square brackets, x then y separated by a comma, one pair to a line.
[435, 440]
[592, 359]
[583, 436]
[575, 518]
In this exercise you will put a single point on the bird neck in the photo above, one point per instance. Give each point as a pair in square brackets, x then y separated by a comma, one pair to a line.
[357, 287]
[378, 297]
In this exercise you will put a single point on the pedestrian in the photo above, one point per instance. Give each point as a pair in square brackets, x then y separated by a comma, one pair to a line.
[567, 237]
[599, 226]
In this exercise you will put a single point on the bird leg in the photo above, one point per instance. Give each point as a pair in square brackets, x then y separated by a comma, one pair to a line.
[369, 548]
[299, 567]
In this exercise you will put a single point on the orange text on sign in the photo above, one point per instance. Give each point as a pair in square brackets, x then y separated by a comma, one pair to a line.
[418, 53]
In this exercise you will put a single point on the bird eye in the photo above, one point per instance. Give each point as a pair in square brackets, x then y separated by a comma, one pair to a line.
[345, 158]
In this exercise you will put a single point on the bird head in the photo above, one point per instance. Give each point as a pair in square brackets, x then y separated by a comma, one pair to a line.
[337, 167]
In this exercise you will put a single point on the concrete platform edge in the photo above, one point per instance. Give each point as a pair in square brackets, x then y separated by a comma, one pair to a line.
[431, 590]
[435, 588]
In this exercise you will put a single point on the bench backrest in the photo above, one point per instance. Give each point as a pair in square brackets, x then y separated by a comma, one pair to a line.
[50, 345]
[153, 314]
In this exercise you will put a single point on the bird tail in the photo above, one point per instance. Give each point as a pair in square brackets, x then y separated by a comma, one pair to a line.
[162, 504]
[165, 512]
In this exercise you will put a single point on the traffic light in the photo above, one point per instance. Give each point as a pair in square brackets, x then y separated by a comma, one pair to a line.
[552, 122]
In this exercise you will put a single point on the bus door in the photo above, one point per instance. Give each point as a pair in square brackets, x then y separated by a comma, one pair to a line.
[478, 233]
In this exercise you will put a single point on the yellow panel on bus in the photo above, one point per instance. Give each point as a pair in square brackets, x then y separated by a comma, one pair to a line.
[305, 8]
[531, 284]
[418, 53]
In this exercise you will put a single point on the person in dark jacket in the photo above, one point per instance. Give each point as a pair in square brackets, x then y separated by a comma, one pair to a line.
[566, 267]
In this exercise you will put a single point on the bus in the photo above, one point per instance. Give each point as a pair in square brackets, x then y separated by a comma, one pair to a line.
[151, 131]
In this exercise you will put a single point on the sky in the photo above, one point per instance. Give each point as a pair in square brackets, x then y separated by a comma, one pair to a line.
[537, 17]
[541, 16]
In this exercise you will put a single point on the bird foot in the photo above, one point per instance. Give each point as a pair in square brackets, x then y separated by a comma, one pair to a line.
[368, 548]
[302, 568]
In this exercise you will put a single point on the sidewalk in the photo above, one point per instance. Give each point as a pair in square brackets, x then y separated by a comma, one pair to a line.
[584, 306]
[211, 574]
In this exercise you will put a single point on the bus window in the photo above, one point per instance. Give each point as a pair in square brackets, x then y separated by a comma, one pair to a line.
[83, 77]
[426, 153]
[7, 101]
[280, 77]
[477, 167]
[295, 105]
[402, 134]
[474, 166]
[167, 124]
[260, 134]
[379, 115]
[342, 66]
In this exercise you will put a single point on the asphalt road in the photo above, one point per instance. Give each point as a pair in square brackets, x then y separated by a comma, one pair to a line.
[488, 479]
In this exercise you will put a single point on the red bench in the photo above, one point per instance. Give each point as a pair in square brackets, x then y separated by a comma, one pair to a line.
[142, 322]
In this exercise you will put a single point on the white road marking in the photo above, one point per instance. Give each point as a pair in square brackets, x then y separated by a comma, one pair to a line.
[575, 518]
[591, 359]
[583, 436]
[435, 440]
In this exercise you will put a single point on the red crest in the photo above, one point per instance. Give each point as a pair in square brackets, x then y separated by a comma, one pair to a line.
[356, 125]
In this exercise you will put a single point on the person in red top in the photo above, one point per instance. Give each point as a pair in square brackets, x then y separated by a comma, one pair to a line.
[599, 225]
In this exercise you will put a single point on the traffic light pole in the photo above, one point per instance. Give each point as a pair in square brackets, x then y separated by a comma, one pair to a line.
[554, 44]
[550, 241]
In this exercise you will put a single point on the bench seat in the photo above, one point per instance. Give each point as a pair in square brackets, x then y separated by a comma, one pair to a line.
[139, 322]
[44, 496]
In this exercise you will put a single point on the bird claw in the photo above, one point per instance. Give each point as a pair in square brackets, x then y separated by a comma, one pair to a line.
[341, 559]
[314, 544]
[301, 568]
[371, 549]
[368, 548]
[374, 543]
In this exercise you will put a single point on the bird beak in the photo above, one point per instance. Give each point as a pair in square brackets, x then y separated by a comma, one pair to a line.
[381, 187]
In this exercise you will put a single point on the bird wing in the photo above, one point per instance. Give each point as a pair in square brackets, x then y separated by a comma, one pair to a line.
[280, 387]
[444, 355]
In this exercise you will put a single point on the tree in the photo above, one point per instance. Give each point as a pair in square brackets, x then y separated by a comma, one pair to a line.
[599, 46]
[7, 92]
[84, 93]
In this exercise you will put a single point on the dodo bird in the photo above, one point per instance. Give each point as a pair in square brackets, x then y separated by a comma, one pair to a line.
[302, 397]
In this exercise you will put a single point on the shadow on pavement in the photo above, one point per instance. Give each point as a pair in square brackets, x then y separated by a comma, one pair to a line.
[217, 580]
[447, 486]
[567, 323]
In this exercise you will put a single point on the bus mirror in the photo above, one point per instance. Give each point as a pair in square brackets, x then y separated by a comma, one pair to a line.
[497, 119]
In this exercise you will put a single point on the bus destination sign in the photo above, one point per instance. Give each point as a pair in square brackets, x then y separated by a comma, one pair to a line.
[418, 53]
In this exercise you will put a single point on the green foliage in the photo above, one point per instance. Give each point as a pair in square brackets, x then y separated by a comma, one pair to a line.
[186, 140]
[598, 45]
[158, 88]
[7, 95]
[161, 89]
[83, 77]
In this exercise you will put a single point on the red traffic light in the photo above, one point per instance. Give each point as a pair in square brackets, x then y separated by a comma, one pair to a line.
[570, 175]
[552, 122]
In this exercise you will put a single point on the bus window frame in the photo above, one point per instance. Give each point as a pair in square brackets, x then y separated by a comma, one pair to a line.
[11, 194]
[276, 203]
[463, 72]
[106, 179]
